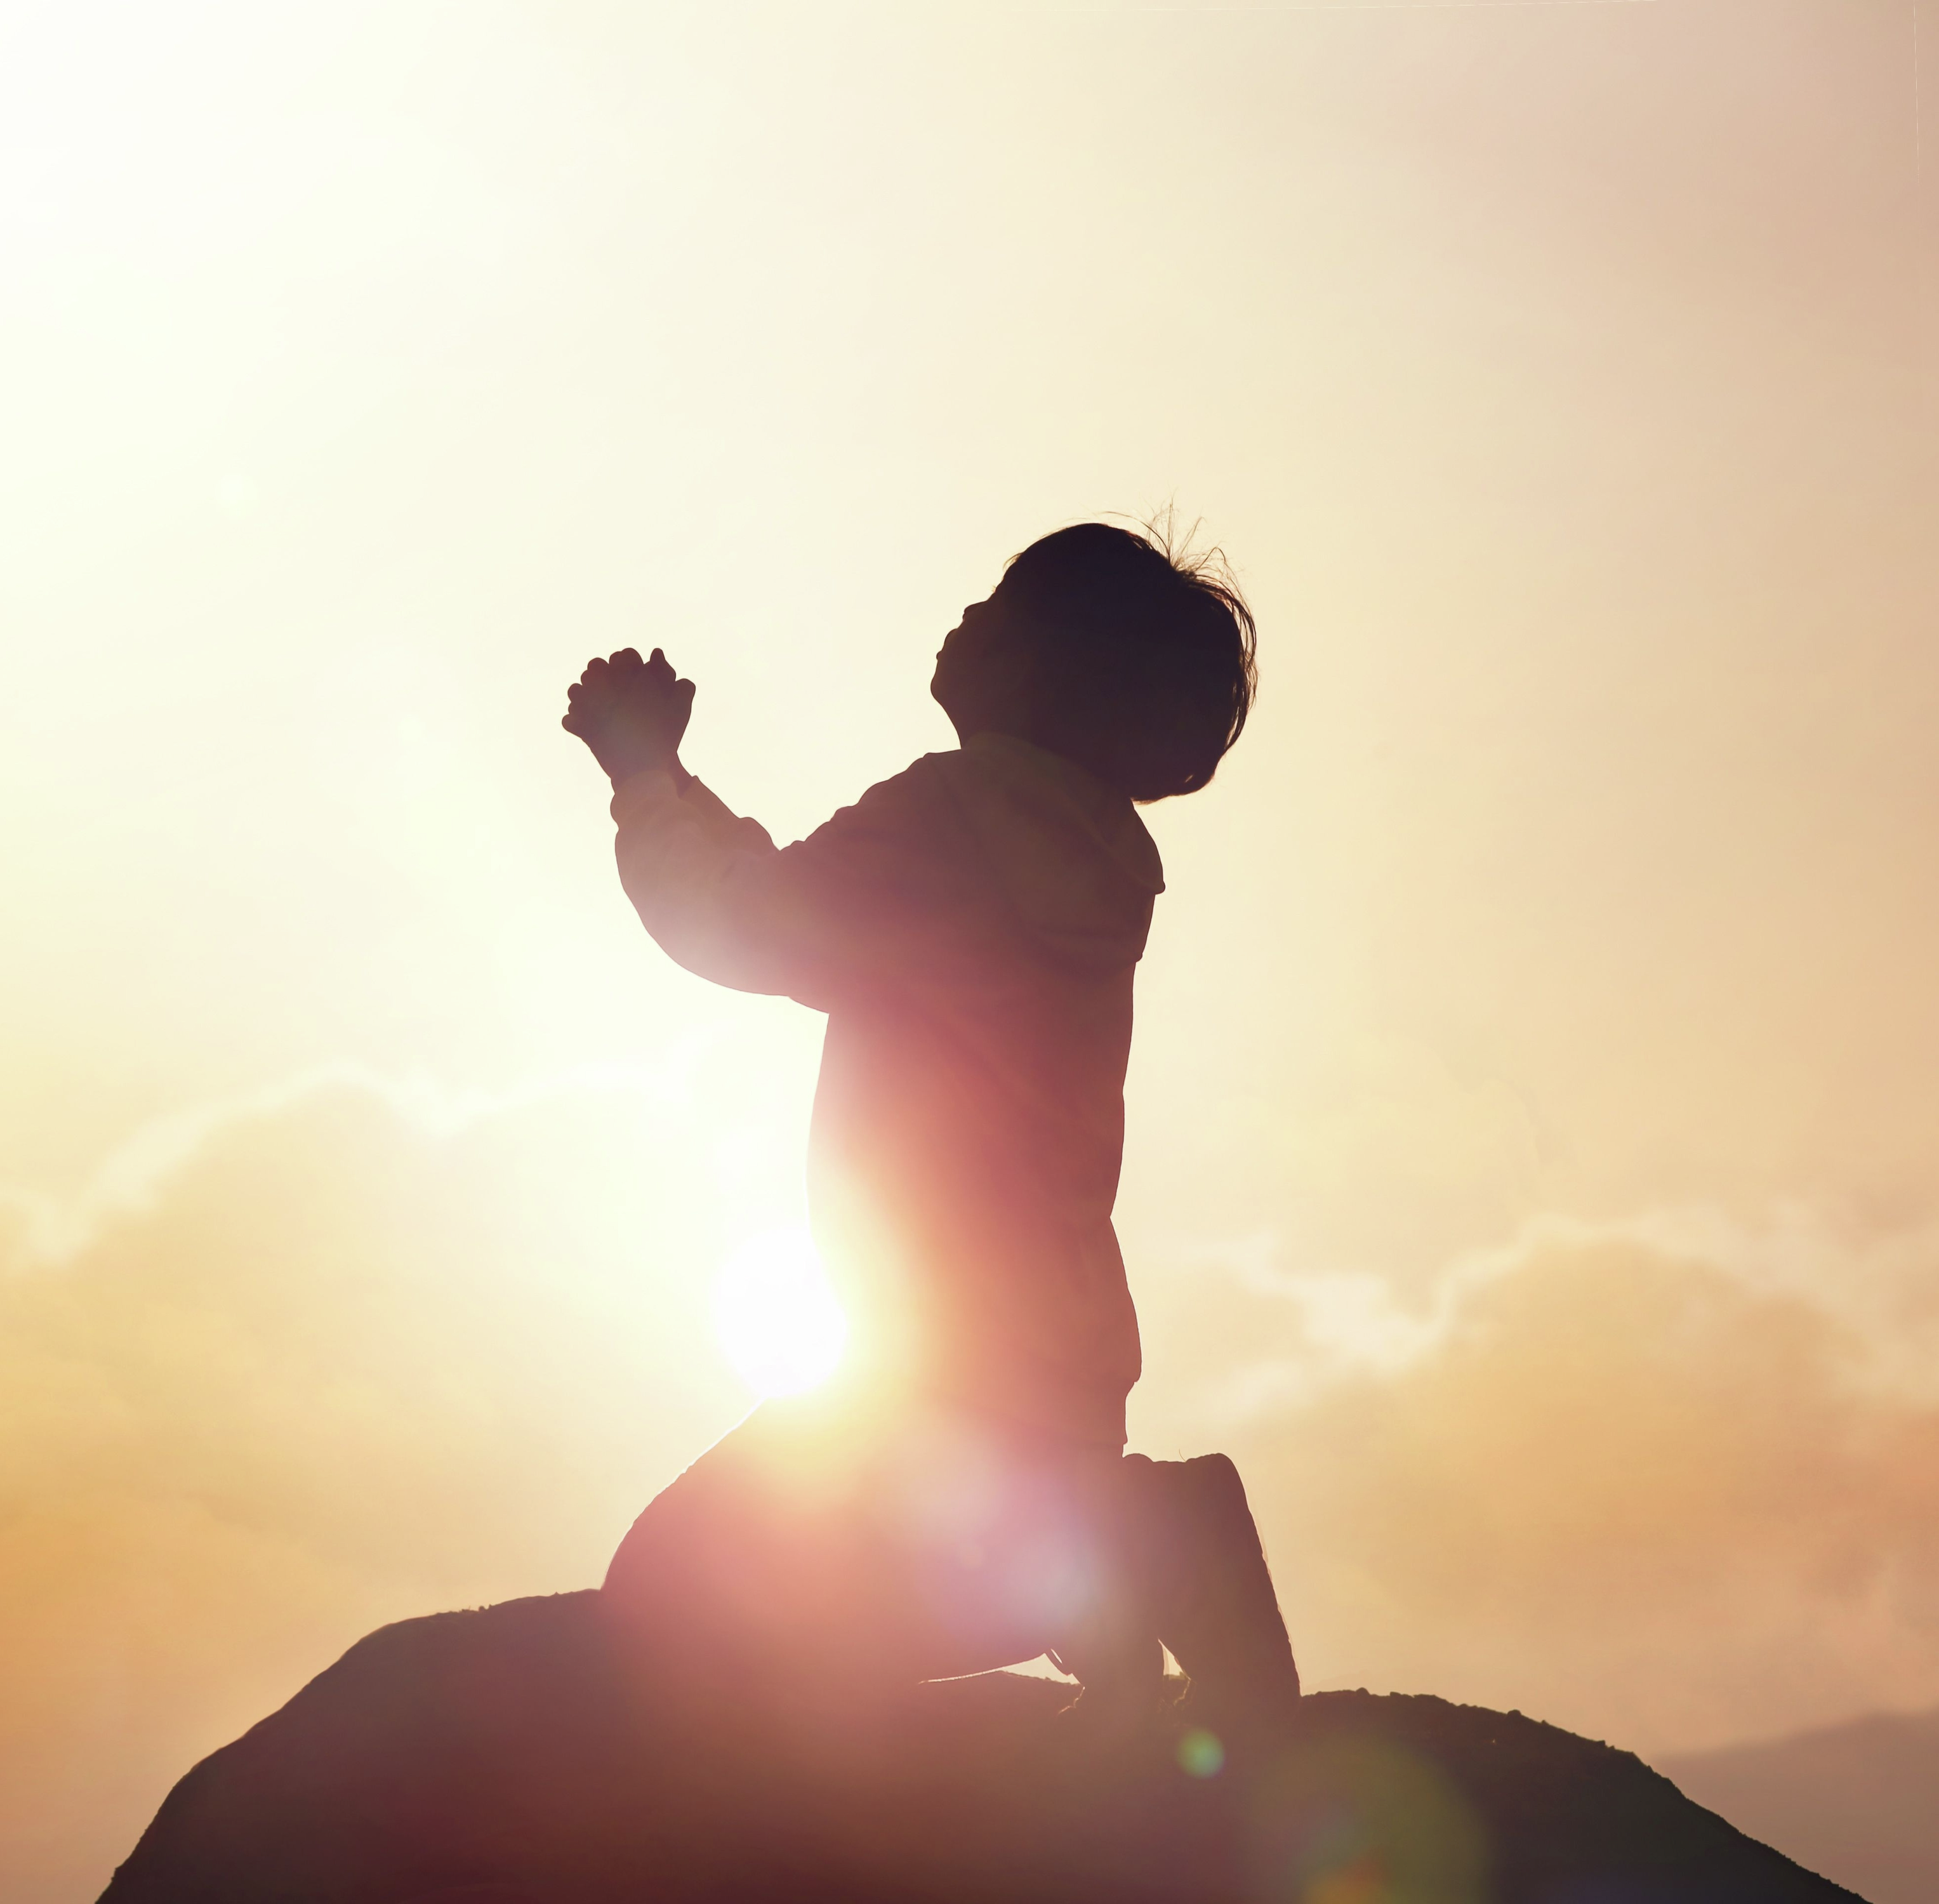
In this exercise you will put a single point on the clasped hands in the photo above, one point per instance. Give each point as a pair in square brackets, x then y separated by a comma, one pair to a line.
[631, 714]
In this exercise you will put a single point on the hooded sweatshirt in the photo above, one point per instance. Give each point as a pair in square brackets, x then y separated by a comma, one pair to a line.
[971, 927]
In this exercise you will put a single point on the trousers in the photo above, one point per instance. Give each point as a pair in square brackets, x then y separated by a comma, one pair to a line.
[925, 1541]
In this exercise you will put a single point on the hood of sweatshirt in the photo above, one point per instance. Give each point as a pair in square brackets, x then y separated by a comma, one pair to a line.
[1071, 854]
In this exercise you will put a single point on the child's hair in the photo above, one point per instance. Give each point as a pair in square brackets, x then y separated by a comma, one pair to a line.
[1145, 657]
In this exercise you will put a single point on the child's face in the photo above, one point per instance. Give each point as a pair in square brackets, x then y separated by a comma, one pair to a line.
[983, 674]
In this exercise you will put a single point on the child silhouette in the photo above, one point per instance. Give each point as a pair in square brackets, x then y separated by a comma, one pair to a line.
[971, 927]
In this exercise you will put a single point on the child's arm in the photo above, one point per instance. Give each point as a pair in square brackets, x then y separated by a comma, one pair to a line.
[713, 889]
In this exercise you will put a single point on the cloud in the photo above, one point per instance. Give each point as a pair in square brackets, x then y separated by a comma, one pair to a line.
[327, 1355]
[1363, 1149]
[352, 1348]
[1670, 1480]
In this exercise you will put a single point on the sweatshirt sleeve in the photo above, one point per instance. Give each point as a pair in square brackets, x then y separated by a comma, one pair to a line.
[720, 899]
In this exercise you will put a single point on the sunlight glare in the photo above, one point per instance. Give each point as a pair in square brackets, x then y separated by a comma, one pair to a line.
[775, 1315]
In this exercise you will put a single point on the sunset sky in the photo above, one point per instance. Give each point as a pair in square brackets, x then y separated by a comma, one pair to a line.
[1532, 1177]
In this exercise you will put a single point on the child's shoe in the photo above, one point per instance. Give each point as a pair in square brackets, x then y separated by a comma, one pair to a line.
[1215, 1606]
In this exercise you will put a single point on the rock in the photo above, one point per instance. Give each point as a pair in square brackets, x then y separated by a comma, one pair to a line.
[505, 1756]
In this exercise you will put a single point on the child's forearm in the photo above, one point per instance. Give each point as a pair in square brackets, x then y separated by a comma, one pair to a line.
[702, 879]
[623, 770]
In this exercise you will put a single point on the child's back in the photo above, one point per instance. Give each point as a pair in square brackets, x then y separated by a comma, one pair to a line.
[971, 927]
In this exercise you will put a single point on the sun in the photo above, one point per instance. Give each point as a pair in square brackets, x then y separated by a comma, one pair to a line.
[776, 1317]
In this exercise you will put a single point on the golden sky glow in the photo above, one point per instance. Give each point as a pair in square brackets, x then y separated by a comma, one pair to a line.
[1531, 1176]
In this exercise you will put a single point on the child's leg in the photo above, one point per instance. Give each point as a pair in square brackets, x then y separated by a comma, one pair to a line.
[808, 1545]
[1211, 1592]
[1109, 1642]
[726, 1575]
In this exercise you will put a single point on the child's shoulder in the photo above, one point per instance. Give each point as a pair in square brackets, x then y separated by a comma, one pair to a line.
[911, 818]
[918, 797]
[1013, 792]
[995, 785]
[1005, 803]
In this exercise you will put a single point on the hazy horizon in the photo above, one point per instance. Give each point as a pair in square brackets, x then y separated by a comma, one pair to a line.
[1530, 1177]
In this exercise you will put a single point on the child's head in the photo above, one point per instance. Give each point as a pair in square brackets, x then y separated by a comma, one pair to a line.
[1099, 645]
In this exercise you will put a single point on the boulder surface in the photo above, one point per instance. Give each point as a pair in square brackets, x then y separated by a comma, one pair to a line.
[509, 1756]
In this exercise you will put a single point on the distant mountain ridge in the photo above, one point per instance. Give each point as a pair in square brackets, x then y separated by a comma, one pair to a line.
[518, 1755]
[1857, 1801]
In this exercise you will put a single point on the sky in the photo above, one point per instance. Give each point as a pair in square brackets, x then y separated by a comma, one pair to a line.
[1530, 1177]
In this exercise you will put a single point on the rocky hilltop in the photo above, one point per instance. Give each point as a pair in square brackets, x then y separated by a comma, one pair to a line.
[502, 1756]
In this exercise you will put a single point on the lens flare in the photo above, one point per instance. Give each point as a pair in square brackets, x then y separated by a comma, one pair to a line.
[1201, 1753]
[776, 1319]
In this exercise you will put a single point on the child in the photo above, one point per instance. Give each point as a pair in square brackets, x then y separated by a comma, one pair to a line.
[971, 927]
